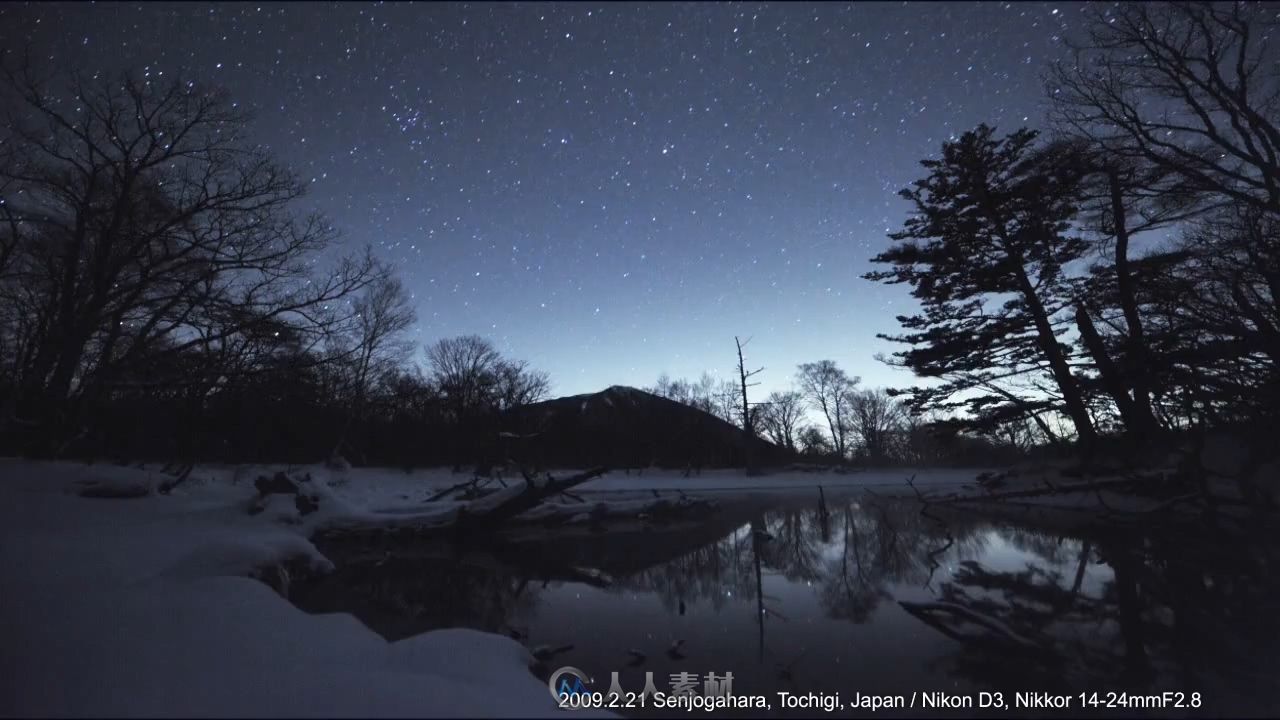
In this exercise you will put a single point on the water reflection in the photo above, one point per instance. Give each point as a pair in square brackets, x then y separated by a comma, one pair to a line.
[853, 595]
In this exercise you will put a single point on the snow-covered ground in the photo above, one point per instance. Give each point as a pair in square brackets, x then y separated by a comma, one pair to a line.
[396, 490]
[143, 607]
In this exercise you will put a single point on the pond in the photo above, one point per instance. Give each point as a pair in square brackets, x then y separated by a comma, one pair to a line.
[868, 598]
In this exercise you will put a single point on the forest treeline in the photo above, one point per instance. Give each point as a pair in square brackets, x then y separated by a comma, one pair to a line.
[1114, 275]
[826, 415]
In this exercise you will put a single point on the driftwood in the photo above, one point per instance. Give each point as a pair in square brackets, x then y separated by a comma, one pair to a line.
[506, 504]
[661, 509]
[168, 486]
[485, 513]
[1039, 492]
[464, 485]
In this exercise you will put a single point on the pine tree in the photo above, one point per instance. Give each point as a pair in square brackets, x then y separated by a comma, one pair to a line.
[984, 253]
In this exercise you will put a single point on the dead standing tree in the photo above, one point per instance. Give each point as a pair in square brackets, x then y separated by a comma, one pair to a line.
[748, 418]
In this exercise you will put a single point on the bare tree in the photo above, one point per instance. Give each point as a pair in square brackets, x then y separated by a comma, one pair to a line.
[1189, 92]
[382, 315]
[518, 384]
[827, 387]
[141, 224]
[781, 417]
[704, 394]
[463, 369]
[1191, 88]
[1220, 325]
[875, 416]
[475, 379]
[724, 402]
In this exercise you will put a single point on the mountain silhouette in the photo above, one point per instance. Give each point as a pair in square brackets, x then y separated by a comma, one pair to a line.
[623, 427]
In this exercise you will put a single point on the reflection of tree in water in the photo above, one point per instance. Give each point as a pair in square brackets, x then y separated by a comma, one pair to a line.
[881, 545]
[1051, 548]
[852, 555]
[718, 573]
[1175, 612]
[793, 545]
[724, 571]
[1207, 609]
[852, 588]
[1114, 611]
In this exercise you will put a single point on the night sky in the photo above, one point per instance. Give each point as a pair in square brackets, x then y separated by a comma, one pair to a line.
[608, 190]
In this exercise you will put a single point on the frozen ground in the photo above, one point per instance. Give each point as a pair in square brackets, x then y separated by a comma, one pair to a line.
[142, 607]
[389, 489]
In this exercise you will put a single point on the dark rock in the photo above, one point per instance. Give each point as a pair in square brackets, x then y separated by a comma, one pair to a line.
[116, 492]
[306, 504]
[280, 483]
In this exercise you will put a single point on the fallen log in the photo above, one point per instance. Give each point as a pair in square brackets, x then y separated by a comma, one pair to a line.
[662, 509]
[167, 487]
[486, 512]
[466, 484]
[1039, 492]
[510, 502]
[494, 558]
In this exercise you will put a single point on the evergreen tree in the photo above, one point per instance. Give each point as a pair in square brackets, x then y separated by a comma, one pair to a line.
[985, 252]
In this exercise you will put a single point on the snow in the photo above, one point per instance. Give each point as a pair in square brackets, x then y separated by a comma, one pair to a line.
[729, 481]
[387, 491]
[121, 600]
[139, 603]
[114, 481]
[134, 602]
[144, 607]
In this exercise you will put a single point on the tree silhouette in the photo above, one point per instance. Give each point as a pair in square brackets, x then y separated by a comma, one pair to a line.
[827, 388]
[1190, 88]
[139, 224]
[984, 254]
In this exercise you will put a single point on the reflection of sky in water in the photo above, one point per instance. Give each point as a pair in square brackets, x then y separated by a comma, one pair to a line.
[891, 653]
[831, 620]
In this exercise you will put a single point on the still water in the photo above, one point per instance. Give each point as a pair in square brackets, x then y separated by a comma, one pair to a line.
[859, 595]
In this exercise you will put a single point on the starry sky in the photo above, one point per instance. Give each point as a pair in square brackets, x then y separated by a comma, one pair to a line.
[609, 191]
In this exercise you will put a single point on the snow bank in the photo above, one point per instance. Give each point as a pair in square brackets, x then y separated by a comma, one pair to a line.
[142, 607]
[386, 490]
